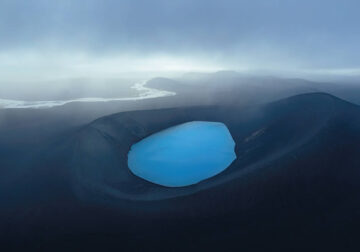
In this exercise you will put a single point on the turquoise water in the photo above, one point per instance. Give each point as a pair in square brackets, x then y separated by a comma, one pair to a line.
[183, 155]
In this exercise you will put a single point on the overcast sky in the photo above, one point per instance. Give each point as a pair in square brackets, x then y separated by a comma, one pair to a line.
[55, 39]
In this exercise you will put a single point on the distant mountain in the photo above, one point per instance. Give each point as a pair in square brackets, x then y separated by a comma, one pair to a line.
[230, 87]
[198, 76]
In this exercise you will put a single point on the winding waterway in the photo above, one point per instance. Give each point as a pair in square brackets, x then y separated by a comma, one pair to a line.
[144, 92]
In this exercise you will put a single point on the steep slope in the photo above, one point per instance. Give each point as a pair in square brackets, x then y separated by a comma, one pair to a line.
[263, 134]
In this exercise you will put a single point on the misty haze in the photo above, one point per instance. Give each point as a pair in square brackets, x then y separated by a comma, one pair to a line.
[179, 125]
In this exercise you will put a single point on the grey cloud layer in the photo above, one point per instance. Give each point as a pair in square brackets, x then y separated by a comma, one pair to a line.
[322, 33]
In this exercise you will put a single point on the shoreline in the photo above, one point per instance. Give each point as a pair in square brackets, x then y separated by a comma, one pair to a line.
[144, 93]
